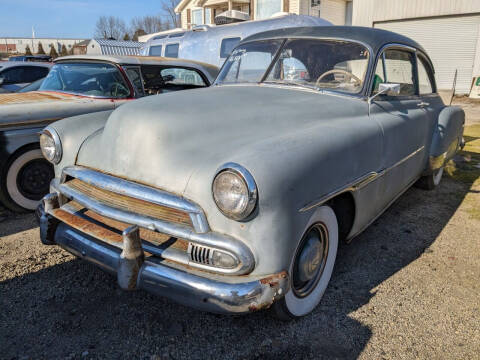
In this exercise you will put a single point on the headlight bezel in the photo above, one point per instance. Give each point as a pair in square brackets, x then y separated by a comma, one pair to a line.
[57, 143]
[251, 186]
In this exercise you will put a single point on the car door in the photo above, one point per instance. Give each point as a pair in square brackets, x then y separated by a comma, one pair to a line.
[431, 102]
[404, 119]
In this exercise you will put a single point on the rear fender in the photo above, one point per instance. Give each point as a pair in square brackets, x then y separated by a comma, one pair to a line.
[447, 137]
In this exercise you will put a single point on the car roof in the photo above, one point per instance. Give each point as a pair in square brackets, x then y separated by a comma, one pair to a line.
[210, 70]
[7, 64]
[373, 38]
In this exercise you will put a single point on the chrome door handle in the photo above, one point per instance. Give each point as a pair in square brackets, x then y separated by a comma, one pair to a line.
[423, 104]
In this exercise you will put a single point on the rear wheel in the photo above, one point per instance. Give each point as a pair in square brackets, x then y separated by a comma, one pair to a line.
[311, 267]
[25, 180]
[431, 181]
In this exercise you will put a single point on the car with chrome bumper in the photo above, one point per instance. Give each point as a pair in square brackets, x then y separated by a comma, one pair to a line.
[76, 85]
[238, 201]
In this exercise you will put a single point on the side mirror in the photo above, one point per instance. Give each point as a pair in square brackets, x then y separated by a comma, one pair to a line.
[1, 81]
[385, 88]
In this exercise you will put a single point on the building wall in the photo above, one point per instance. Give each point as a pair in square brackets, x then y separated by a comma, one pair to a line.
[366, 12]
[21, 43]
[331, 10]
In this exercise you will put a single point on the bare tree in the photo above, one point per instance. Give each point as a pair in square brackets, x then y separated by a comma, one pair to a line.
[149, 24]
[168, 6]
[110, 27]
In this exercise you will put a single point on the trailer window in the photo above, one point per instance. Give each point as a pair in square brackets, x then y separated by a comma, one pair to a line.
[171, 51]
[227, 46]
[155, 50]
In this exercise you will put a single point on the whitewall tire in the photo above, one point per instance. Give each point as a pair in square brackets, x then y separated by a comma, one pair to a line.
[26, 180]
[312, 266]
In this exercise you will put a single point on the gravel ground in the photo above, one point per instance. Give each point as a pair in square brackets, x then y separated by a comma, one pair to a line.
[406, 288]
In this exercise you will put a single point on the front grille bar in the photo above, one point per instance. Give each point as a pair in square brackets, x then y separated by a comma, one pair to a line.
[141, 192]
[209, 239]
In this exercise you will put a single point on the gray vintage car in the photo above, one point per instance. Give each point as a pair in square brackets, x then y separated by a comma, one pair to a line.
[77, 85]
[238, 201]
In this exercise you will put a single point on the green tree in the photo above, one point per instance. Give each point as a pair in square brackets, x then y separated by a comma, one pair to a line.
[53, 51]
[138, 32]
[64, 51]
[27, 50]
[126, 37]
[40, 49]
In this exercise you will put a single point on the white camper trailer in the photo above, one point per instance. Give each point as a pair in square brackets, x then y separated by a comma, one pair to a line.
[212, 44]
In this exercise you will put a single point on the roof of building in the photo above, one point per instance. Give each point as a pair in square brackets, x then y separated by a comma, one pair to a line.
[374, 38]
[82, 43]
[211, 70]
[118, 47]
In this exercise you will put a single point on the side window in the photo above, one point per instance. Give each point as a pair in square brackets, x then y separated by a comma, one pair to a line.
[396, 67]
[171, 50]
[13, 76]
[33, 73]
[227, 46]
[180, 76]
[425, 76]
[135, 77]
[155, 50]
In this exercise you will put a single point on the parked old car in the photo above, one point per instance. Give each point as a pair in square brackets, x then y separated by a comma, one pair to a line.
[239, 200]
[16, 75]
[77, 85]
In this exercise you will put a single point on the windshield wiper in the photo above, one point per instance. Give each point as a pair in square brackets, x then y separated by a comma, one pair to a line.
[292, 83]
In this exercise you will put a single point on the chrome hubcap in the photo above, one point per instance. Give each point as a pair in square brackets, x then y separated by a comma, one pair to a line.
[310, 260]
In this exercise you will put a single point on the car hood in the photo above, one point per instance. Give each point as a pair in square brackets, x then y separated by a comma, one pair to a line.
[38, 106]
[163, 140]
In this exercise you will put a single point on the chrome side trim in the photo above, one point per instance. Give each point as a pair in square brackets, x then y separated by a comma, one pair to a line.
[138, 191]
[358, 183]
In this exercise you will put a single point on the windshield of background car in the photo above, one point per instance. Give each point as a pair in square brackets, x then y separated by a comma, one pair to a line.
[90, 79]
[319, 64]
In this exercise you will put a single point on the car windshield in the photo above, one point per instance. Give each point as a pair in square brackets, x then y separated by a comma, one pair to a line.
[317, 64]
[90, 79]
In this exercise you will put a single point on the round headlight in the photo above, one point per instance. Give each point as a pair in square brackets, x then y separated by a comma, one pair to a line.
[50, 145]
[234, 191]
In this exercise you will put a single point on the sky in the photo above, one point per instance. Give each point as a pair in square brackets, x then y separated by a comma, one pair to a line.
[67, 18]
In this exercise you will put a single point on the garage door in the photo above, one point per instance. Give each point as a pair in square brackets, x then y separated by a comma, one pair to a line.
[450, 42]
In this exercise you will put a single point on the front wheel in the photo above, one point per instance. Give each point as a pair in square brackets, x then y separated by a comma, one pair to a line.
[311, 267]
[26, 180]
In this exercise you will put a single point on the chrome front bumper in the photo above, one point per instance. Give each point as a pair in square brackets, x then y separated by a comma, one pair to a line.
[217, 293]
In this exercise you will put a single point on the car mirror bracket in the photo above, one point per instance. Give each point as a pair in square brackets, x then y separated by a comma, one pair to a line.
[384, 88]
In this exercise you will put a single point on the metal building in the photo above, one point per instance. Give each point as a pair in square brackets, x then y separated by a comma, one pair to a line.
[113, 47]
[448, 29]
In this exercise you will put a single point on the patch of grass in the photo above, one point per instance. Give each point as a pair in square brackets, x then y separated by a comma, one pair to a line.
[467, 169]
[472, 138]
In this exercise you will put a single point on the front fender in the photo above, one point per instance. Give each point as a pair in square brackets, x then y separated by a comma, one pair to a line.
[12, 140]
[73, 131]
[447, 137]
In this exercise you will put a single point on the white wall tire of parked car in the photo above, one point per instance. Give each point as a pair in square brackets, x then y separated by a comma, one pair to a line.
[303, 297]
[25, 180]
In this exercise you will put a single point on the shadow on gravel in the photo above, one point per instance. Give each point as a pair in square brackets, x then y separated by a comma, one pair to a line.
[11, 223]
[73, 308]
